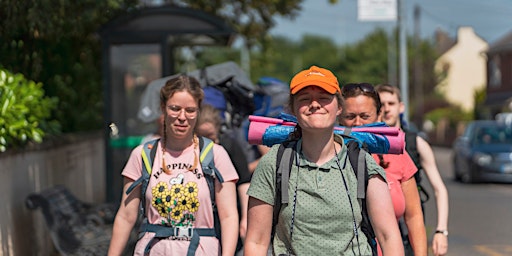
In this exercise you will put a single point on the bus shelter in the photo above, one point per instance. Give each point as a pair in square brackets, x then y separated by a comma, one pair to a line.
[137, 49]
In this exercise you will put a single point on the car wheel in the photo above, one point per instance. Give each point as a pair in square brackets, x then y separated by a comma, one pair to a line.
[469, 177]
[456, 169]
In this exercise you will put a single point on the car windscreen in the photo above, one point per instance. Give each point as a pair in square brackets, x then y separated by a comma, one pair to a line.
[493, 134]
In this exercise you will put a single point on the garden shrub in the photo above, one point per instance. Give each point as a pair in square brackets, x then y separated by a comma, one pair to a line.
[25, 112]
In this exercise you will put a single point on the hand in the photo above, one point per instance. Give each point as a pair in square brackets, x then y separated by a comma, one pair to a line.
[439, 244]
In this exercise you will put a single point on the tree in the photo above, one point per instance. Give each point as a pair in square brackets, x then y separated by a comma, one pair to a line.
[56, 43]
[252, 19]
[367, 60]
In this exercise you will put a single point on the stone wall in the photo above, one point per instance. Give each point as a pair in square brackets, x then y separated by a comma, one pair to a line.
[76, 161]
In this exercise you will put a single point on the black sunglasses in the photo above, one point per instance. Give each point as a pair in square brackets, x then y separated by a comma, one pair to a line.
[364, 87]
[368, 88]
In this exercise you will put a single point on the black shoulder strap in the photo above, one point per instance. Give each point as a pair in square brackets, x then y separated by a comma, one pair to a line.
[357, 158]
[284, 162]
[412, 148]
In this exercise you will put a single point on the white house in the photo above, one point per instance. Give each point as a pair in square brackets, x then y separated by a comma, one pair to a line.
[465, 67]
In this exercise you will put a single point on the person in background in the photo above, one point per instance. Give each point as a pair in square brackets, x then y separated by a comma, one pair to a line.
[392, 106]
[324, 212]
[178, 198]
[158, 133]
[209, 125]
[270, 100]
[361, 105]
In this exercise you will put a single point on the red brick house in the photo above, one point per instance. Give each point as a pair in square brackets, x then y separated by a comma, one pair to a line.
[499, 76]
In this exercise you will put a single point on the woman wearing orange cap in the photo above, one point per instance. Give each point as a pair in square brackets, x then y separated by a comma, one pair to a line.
[323, 216]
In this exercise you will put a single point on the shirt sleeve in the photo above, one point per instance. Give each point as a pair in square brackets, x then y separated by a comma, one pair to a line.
[223, 164]
[374, 168]
[133, 167]
[409, 168]
[264, 179]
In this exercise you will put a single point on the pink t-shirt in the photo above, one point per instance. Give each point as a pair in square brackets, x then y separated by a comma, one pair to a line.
[180, 198]
[401, 168]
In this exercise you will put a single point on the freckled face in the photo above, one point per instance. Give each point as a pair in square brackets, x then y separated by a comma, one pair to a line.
[315, 108]
[180, 125]
[358, 110]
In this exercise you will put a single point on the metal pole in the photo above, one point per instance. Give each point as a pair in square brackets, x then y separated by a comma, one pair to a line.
[245, 58]
[392, 58]
[418, 81]
[403, 59]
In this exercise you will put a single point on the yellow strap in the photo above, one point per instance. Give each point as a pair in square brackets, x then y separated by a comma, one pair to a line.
[146, 161]
[205, 151]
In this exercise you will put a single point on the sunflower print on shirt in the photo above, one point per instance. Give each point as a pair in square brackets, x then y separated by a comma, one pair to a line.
[177, 204]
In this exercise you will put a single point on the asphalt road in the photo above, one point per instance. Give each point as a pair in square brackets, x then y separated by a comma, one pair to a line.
[480, 219]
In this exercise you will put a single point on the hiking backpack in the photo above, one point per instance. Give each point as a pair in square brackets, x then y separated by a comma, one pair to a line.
[271, 97]
[210, 174]
[412, 149]
[357, 159]
[233, 100]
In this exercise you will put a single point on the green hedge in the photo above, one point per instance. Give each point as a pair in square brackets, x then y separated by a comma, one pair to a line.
[25, 113]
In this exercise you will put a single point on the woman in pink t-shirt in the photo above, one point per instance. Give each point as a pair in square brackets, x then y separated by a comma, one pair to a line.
[177, 197]
[362, 106]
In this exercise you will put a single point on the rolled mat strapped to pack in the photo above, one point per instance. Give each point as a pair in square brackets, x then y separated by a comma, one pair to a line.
[380, 138]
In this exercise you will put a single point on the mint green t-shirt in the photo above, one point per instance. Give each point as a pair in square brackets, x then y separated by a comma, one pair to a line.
[324, 218]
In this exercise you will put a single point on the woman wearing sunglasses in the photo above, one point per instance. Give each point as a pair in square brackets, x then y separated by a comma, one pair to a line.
[361, 106]
[323, 215]
[178, 207]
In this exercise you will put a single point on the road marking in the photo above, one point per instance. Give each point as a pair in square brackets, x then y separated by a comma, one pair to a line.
[486, 250]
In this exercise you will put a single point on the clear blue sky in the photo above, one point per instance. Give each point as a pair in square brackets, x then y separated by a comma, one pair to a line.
[491, 19]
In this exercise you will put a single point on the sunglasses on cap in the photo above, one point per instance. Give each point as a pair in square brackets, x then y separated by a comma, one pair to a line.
[364, 87]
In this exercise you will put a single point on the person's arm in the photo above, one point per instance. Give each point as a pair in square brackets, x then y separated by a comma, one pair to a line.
[259, 228]
[225, 197]
[382, 216]
[414, 217]
[244, 200]
[125, 219]
[428, 162]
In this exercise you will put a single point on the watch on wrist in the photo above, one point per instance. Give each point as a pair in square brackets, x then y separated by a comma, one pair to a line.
[444, 232]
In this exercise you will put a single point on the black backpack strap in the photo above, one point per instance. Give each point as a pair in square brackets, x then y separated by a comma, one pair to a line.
[357, 158]
[411, 146]
[284, 162]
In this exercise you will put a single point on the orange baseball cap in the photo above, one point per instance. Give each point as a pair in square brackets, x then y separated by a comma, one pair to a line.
[316, 76]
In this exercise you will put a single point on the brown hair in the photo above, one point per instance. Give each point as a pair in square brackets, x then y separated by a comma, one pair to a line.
[209, 114]
[366, 89]
[389, 89]
[181, 83]
[383, 163]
